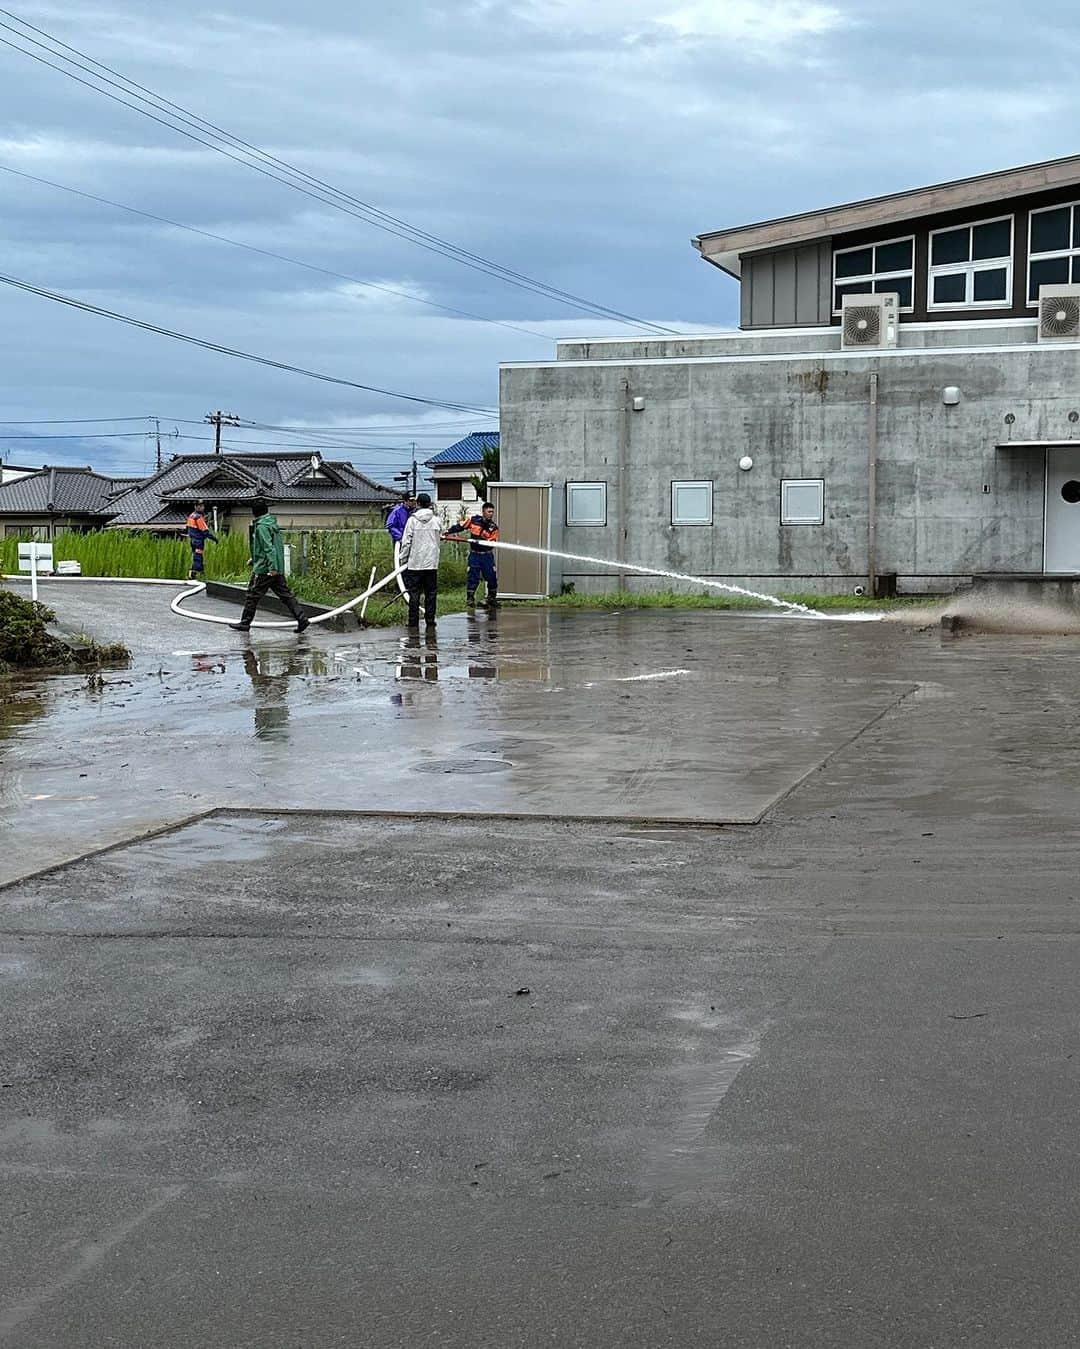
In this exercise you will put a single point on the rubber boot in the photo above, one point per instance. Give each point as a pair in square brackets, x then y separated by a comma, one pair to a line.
[470, 602]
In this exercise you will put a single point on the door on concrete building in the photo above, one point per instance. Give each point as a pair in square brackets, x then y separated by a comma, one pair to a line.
[1062, 550]
[523, 510]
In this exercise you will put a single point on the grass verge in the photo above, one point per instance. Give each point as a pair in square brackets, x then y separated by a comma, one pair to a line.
[672, 599]
[382, 612]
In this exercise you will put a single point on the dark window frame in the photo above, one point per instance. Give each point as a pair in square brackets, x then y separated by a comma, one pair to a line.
[1068, 255]
[969, 269]
[445, 489]
[873, 279]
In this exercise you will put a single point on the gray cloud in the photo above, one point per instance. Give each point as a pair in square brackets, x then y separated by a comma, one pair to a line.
[582, 143]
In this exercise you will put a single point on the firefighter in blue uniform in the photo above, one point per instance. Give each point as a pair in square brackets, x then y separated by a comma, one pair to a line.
[481, 556]
[198, 531]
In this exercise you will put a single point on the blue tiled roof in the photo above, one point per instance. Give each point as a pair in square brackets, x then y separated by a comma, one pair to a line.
[467, 451]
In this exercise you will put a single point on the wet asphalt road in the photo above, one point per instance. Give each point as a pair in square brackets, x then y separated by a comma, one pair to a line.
[274, 1080]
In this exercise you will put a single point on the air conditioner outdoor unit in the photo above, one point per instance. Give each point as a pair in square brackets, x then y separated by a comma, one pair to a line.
[1059, 314]
[869, 321]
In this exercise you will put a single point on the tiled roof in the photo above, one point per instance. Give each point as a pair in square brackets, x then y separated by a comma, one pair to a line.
[159, 499]
[467, 451]
[58, 491]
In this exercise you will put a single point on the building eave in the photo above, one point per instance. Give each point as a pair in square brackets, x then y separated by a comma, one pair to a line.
[724, 248]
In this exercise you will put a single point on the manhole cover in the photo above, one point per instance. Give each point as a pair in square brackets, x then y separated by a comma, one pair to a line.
[464, 766]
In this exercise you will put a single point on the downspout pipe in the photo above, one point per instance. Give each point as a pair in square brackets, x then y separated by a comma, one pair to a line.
[871, 489]
[620, 472]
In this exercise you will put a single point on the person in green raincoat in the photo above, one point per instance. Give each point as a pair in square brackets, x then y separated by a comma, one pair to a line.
[267, 569]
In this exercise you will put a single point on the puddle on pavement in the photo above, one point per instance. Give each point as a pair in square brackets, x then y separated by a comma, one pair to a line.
[331, 720]
[208, 843]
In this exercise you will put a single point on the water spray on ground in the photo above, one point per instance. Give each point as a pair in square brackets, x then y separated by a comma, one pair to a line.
[790, 607]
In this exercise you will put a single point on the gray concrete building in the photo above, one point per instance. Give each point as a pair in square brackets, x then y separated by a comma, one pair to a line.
[900, 407]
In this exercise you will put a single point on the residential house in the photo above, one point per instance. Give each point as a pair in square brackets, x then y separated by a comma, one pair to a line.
[49, 501]
[900, 406]
[305, 492]
[453, 469]
[11, 472]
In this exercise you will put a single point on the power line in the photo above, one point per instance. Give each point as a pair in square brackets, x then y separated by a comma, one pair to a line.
[403, 427]
[245, 446]
[231, 351]
[134, 435]
[76, 421]
[103, 435]
[299, 179]
[268, 253]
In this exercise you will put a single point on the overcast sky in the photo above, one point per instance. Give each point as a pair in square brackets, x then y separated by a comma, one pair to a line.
[582, 142]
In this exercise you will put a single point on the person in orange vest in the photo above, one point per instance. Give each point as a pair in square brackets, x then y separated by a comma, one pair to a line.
[198, 531]
[481, 555]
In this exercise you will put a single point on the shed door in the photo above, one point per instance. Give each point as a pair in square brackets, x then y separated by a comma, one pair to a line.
[523, 512]
[1062, 552]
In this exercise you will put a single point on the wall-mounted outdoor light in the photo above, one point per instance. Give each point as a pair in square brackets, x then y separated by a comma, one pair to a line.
[950, 396]
[746, 463]
[638, 404]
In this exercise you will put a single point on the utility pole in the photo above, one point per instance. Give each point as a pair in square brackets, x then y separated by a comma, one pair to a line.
[217, 420]
[172, 435]
[409, 475]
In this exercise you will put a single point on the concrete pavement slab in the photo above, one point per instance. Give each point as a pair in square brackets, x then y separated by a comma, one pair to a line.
[538, 713]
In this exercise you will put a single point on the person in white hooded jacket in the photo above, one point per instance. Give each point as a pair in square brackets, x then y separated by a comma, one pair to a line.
[420, 558]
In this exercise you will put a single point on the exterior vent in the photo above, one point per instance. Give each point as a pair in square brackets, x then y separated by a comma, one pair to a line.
[870, 321]
[1059, 314]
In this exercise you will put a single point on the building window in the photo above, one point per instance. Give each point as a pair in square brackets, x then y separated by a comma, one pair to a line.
[448, 489]
[1054, 248]
[878, 268]
[586, 503]
[802, 501]
[971, 267]
[691, 503]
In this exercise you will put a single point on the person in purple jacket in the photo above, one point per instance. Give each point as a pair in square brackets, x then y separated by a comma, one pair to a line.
[399, 518]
